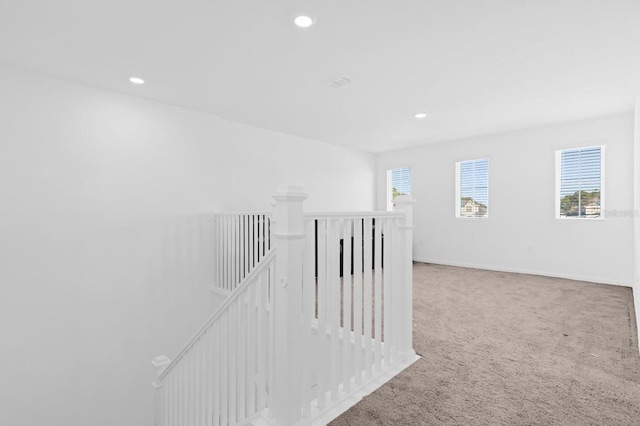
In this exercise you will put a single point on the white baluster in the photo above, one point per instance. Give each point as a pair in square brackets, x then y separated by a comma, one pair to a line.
[217, 372]
[357, 295]
[333, 302]
[308, 315]
[216, 251]
[367, 304]
[191, 381]
[252, 238]
[257, 238]
[242, 357]
[322, 358]
[224, 369]
[236, 251]
[377, 301]
[262, 352]
[252, 337]
[209, 376]
[271, 343]
[387, 293]
[227, 252]
[346, 305]
[201, 390]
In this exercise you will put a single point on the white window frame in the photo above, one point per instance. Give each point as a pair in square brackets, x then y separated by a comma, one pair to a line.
[558, 155]
[458, 207]
[390, 205]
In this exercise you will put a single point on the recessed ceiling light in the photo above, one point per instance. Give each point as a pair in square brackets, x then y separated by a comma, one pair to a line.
[304, 21]
[136, 80]
[420, 115]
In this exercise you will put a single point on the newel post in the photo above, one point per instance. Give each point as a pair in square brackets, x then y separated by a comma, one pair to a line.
[404, 204]
[288, 237]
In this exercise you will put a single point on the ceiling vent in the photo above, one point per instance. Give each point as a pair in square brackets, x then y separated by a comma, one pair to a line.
[338, 82]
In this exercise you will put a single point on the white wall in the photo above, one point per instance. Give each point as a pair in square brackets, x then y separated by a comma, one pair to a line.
[336, 179]
[521, 233]
[105, 238]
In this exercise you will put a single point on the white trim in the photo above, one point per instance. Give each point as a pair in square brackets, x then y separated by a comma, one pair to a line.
[456, 200]
[558, 168]
[636, 303]
[527, 272]
[603, 187]
[388, 192]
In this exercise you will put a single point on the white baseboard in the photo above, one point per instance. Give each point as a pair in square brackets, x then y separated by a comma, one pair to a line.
[526, 271]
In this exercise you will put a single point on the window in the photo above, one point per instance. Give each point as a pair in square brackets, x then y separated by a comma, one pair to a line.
[398, 183]
[472, 188]
[580, 183]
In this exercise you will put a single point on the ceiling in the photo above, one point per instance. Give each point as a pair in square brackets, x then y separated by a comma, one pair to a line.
[476, 67]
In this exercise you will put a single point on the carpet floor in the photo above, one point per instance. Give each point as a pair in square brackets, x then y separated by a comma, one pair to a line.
[512, 349]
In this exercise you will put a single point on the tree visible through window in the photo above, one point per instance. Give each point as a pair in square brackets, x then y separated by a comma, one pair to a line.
[472, 188]
[579, 182]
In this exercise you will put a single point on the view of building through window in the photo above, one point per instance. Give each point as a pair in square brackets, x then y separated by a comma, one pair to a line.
[472, 187]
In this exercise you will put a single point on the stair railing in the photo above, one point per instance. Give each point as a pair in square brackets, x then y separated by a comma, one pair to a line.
[323, 319]
[242, 240]
[221, 376]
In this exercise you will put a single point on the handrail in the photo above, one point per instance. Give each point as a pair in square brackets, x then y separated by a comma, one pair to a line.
[264, 263]
[321, 215]
[267, 213]
[350, 215]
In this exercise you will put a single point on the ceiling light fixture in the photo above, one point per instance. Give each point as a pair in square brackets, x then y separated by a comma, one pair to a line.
[136, 80]
[304, 21]
[420, 115]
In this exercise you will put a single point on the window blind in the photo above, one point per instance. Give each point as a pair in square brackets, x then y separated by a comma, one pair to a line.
[472, 188]
[401, 180]
[580, 183]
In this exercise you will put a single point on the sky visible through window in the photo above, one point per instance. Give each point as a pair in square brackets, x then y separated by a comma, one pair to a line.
[401, 180]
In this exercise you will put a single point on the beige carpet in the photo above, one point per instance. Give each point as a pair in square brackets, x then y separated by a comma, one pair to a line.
[510, 349]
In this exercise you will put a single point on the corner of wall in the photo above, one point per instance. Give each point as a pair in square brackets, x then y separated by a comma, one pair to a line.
[636, 178]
